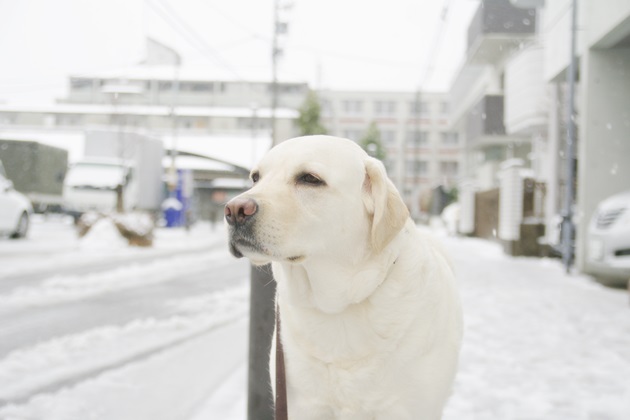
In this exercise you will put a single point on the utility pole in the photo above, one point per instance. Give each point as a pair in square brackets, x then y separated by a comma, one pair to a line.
[275, 52]
[260, 404]
[172, 176]
[567, 220]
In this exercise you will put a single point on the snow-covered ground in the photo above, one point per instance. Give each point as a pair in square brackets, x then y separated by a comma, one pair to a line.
[160, 367]
[539, 344]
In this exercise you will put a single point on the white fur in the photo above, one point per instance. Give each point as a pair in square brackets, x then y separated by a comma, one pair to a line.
[371, 321]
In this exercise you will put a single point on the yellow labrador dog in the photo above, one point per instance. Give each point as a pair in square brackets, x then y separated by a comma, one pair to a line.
[371, 321]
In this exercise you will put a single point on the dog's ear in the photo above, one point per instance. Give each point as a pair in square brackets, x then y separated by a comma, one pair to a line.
[383, 203]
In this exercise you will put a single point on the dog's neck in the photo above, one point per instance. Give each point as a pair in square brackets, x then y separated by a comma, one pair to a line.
[331, 285]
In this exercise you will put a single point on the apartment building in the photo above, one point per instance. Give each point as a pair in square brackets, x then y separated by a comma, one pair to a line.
[421, 152]
[509, 100]
[493, 128]
[603, 100]
[164, 100]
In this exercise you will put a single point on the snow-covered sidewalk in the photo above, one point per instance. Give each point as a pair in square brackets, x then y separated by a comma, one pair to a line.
[538, 345]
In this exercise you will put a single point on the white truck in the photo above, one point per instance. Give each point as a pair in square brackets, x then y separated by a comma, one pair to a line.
[112, 159]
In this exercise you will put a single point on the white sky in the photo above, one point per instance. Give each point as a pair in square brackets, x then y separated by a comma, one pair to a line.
[340, 44]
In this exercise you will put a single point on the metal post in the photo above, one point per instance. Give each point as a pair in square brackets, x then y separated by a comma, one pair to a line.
[261, 325]
[172, 182]
[567, 222]
[274, 73]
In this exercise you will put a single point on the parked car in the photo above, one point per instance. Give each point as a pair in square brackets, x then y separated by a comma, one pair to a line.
[15, 209]
[608, 252]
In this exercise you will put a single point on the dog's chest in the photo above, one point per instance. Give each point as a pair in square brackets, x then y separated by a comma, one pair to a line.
[347, 359]
[358, 334]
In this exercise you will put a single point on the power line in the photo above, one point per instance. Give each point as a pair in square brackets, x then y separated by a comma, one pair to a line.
[430, 63]
[190, 35]
[243, 26]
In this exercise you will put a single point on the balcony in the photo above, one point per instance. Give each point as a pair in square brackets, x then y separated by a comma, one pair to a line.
[485, 121]
[496, 29]
[526, 96]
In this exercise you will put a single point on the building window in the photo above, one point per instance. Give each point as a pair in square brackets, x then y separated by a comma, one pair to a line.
[326, 107]
[416, 168]
[199, 87]
[384, 108]
[165, 85]
[389, 165]
[250, 123]
[449, 139]
[445, 108]
[417, 139]
[449, 169]
[68, 119]
[8, 118]
[49, 120]
[185, 122]
[352, 134]
[291, 88]
[415, 108]
[352, 107]
[388, 138]
[80, 83]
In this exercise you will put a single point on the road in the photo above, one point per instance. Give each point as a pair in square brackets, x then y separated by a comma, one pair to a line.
[25, 326]
[46, 303]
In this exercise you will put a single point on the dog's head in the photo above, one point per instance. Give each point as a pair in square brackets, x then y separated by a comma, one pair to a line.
[314, 196]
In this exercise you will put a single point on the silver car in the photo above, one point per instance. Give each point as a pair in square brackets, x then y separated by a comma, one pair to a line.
[608, 252]
[15, 209]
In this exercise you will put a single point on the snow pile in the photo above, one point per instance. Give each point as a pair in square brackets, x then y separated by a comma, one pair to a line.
[24, 372]
[172, 203]
[137, 227]
[103, 235]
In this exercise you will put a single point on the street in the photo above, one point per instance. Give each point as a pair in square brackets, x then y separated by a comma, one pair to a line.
[162, 333]
[75, 309]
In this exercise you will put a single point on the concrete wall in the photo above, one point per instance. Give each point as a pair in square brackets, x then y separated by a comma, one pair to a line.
[556, 31]
[510, 200]
[604, 16]
[604, 145]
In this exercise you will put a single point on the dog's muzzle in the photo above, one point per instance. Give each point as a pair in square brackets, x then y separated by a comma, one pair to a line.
[240, 215]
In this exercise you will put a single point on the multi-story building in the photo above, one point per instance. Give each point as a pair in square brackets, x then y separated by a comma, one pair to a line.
[603, 100]
[421, 152]
[510, 100]
[160, 100]
[492, 128]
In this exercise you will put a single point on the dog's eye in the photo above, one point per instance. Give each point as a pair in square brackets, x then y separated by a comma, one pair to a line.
[309, 179]
[255, 177]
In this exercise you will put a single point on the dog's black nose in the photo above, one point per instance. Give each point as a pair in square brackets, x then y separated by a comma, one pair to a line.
[239, 210]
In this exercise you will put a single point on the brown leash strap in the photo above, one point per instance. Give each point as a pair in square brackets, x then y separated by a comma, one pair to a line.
[281, 379]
